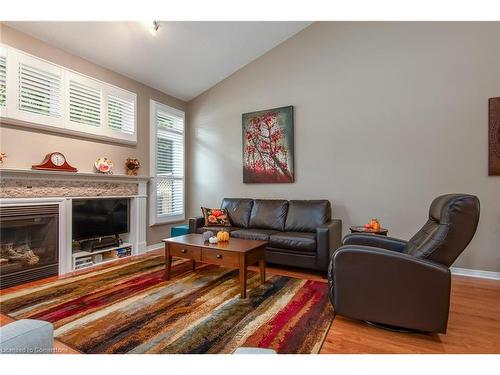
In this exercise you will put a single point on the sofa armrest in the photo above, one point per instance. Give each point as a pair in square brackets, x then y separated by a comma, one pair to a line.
[328, 239]
[27, 336]
[388, 287]
[373, 240]
[195, 223]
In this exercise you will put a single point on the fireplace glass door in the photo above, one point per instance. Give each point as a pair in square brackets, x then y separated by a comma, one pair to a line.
[28, 243]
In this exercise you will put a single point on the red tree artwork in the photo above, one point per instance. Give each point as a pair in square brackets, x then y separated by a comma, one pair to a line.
[268, 146]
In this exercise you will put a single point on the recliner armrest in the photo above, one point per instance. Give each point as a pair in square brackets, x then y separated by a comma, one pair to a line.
[195, 223]
[373, 240]
[388, 287]
[328, 239]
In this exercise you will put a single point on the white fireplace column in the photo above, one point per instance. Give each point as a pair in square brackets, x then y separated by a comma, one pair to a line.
[138, 207]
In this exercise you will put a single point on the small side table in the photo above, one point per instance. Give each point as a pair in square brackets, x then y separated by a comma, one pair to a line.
[362, 229]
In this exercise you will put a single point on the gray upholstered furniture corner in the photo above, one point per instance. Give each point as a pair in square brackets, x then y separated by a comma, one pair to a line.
[301, 233]
[252, 350]
[27, 336]
[404, 284]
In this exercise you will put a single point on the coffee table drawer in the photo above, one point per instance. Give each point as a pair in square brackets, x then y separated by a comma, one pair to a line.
[220, 257]
[183, 251]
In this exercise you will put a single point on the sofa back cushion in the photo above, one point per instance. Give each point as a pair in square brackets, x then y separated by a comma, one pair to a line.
[306, 216]
[238, 211]
[268, 214]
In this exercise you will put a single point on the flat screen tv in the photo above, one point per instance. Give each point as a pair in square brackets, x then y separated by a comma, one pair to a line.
[100, 217]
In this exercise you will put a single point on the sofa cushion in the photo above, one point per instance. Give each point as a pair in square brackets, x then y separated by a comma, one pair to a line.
[299, 241]
[238, 210]
[306, 216]
[253, 234]
[216, 229]
[216, 217]
[268, 214]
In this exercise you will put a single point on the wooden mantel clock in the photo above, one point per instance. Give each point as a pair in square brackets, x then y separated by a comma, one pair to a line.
[55, 161]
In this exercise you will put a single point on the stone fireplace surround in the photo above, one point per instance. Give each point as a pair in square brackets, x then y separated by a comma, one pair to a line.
[20, 187]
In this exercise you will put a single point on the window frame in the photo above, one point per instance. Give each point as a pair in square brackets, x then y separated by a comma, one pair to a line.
[62, 125]
[3, 53]
[154, 219]
[12, 107]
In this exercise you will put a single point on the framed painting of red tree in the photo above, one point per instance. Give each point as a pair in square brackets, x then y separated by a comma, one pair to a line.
[268, 146]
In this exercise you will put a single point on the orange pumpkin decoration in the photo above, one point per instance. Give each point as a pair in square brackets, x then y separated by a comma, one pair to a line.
[373, 225]
[223, 236]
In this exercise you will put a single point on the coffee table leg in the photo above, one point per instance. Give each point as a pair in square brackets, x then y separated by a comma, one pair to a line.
[193, 264]
[262, 267]
[243, 281]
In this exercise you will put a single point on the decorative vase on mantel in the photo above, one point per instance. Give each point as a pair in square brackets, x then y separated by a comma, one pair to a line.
[132, 165]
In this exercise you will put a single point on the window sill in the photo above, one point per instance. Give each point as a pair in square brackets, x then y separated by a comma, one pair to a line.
[176, 221]
[64, 131]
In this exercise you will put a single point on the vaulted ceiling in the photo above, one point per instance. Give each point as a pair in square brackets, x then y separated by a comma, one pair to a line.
[183, 59]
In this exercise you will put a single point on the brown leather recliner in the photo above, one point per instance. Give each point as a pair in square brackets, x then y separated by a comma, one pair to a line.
[399, 284]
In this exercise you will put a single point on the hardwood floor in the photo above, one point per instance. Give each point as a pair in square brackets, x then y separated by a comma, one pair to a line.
[474, 323]
[473, 326]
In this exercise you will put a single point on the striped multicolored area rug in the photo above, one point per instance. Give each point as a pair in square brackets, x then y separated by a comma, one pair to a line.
[131, 308]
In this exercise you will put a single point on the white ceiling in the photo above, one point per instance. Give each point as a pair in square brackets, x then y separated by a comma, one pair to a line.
[183, 59]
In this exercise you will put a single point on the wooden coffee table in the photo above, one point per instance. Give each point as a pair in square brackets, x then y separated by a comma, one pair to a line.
[236, 253]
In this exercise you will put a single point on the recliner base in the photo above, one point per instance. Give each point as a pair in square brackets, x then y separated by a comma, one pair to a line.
[392, 328]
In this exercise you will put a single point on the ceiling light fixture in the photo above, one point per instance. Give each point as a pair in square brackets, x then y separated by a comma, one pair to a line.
[154, 28]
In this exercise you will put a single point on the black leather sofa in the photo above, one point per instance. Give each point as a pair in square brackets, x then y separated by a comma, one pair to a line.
[399, 284]
[300, 233]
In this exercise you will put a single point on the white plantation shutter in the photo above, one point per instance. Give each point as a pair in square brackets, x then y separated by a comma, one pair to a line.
[84, 104]
[3, 78]
[39, 91]
[121, 114]
[168, 163]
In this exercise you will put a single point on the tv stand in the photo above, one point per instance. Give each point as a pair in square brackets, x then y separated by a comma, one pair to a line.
[84, 259]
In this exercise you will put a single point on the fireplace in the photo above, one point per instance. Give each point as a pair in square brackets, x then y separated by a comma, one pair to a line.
[28, 243]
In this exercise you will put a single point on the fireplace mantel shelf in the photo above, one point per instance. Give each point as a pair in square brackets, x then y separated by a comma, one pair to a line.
[10, 172]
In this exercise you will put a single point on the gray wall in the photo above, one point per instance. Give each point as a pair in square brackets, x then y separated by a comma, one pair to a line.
[387, 117]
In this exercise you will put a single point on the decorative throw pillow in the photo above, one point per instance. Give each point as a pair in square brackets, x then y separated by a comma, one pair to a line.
[216, 217]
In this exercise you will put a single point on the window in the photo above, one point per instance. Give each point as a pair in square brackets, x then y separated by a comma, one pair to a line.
[46, 95]
[84, 104]
[121, 114]
[167, 164]
[34, 90]
[39, 91]
[3, 76]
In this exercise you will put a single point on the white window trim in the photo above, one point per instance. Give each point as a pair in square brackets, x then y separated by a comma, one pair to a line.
[153, 217]
[12, 115]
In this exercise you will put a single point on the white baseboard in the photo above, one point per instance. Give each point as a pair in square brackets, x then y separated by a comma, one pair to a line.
[155, 246]
[475, 273]
[454, 270]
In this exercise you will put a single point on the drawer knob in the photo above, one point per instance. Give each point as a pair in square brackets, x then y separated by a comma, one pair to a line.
[219, 256]
[183, 251]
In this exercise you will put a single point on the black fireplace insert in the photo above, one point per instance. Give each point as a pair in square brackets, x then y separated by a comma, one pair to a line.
[28, 243]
